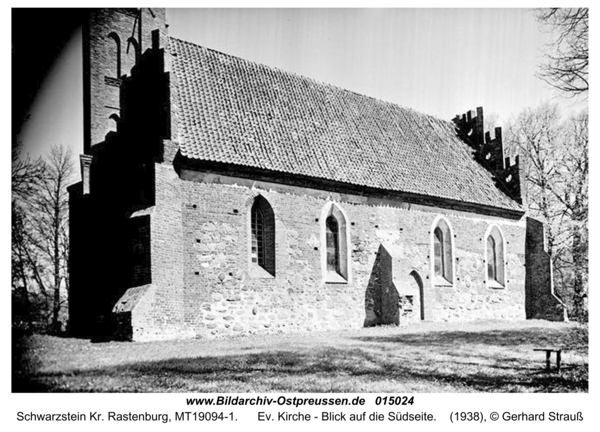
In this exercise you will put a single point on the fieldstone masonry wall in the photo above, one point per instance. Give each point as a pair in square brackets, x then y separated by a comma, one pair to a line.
[202, 286]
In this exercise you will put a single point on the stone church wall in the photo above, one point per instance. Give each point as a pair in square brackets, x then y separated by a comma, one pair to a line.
[202, 283]
[180, 250]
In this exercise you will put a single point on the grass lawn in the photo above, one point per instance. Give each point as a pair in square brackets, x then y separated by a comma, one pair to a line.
[490, 356]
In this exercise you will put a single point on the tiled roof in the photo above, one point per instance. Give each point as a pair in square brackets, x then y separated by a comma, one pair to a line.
[239, 112]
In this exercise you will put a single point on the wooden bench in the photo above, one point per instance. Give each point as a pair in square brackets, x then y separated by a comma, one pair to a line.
[549, 352]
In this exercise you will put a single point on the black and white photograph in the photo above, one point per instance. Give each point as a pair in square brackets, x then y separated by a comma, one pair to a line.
[273, 201]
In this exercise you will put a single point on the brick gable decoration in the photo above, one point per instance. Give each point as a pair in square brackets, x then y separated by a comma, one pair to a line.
[223, 197]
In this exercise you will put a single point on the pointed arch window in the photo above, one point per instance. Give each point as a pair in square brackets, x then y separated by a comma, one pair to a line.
[258, 237]
[492, 259]
[443, 263]
[116, 51]
[133, 52]
[495, 268]
[438, 245]
[262, 238]
[332, 234]
[335, 260]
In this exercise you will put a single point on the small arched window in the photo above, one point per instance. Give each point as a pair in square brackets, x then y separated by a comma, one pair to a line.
[495, 269]
[443, 270]
[492, 261]
[262, 237]
[438, 247]
[332, 234]
[335, 245]
[116, 53]
[258, 237]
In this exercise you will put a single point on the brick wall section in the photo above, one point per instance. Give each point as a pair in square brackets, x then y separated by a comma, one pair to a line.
[385, 294]
[202, 286]
[168, 261]
[392, 297]
[156, 310]
[541, 303]
[379, 281]
[140, 244]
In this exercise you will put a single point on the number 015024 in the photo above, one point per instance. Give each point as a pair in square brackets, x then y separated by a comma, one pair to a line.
[394, 400]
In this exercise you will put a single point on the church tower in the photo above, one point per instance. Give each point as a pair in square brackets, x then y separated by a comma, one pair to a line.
[126, 105]
[113, 43]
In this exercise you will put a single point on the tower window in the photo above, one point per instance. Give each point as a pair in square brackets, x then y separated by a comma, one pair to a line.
[116, 51]
[133, 52]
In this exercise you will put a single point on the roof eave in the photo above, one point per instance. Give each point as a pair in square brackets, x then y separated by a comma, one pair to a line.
[182, 162]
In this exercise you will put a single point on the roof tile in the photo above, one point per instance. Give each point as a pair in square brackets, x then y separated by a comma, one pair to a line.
[244, 113]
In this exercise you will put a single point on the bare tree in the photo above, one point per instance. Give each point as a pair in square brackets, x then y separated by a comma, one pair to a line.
[40, 235]
[21, 304]
[566, 66]
[572, 192]
[555, 161]
[25, 175]
[25, 178]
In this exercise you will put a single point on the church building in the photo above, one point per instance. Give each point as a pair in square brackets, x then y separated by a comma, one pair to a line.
[224, 197]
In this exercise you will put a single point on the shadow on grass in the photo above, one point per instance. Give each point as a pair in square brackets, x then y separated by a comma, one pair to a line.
[500, 338]
[351, 369]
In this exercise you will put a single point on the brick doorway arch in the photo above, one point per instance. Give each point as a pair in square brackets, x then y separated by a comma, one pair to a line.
[416, 286]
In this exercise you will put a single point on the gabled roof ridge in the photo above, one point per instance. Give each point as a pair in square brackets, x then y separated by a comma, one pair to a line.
[314, 80]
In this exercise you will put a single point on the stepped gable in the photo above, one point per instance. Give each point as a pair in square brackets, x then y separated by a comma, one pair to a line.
[243, 113]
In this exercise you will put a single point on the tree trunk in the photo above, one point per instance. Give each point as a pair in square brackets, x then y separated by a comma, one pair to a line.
[56, 301]
[579, 272]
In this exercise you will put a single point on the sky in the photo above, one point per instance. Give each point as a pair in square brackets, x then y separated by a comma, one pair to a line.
[438, 61]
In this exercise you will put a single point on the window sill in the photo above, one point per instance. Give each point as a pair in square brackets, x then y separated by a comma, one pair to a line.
[439, 281]
[492, 284]
[257, 272]
[334, 278]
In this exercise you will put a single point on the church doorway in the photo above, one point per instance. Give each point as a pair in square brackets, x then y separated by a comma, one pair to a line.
[416, 286]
